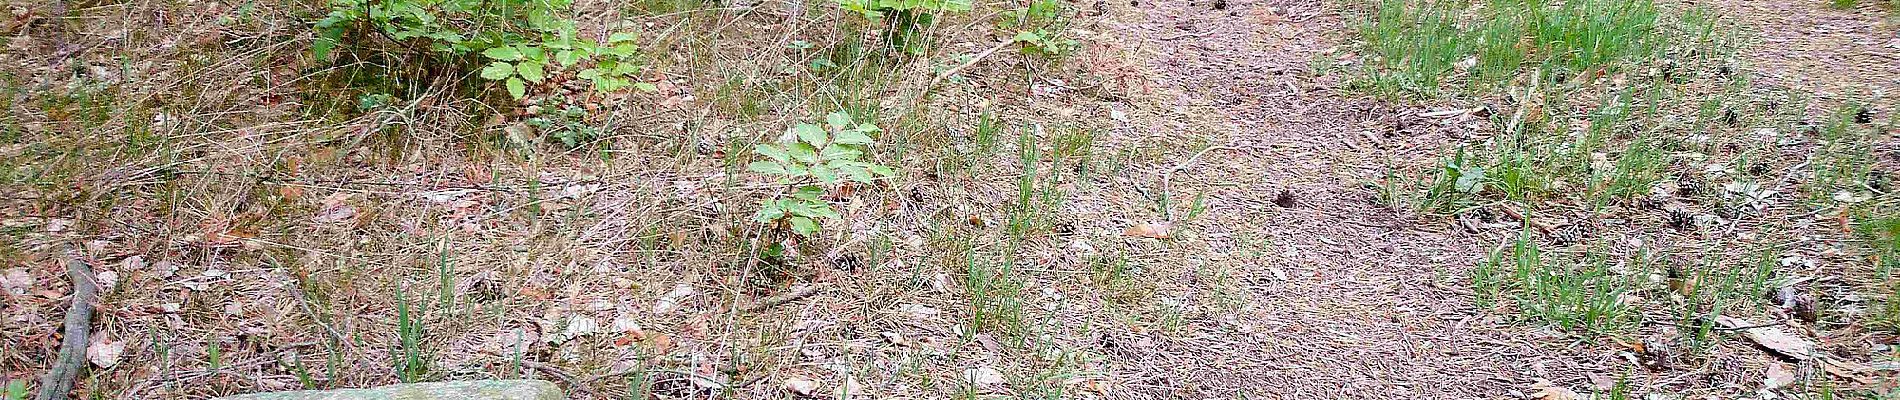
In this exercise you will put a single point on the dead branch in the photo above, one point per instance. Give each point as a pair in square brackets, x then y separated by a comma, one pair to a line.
[774, 301]
[967, 64]
[58, 381]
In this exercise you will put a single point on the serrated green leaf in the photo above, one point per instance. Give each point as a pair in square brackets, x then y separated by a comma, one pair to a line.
[589, 74]
[530, 70]
[646, 87]
[504, 53]
[766, 167]
[839, 152]
[809, 193]
[516, 88]
[810, 134]
[804, 226]
[327, 39]
[769, 211]
[618, 37]
[802, 152]
[627, 68]
[852, 136]
[839, 121]
[883, 170]
[774, 152]
[567, 58]
[824, 173]
[857, 173]
[822, 210]
[497, 71]
[533, 53]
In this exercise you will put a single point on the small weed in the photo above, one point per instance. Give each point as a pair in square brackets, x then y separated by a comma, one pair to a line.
[906, 20]
[412, 364]
[810, 156]
[16, 389]
[995, 292]
[1583, 295]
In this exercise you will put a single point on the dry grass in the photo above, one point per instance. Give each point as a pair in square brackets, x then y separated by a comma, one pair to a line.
[264, 236]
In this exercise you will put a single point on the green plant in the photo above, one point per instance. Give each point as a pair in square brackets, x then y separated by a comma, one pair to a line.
[906, 19]
[16, 389]
[1459, 178]
[412, 364]
[520, 40]
[1584, 296]
[1045, 43]
[809, 157]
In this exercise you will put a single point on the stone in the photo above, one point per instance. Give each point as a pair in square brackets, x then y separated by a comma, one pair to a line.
[520, 389]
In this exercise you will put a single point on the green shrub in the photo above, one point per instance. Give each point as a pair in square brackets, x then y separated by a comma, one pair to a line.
[906, 19]
[810, 158]
[520, 42]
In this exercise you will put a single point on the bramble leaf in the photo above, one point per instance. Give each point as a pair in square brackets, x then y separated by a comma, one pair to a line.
[810, 134]
[517, 88]
[504, 53]
[530, 70]
[497, 71]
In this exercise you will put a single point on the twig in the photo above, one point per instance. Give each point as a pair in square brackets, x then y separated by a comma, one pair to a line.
[1717, 328]
[774, 301]
[58, 381]
[1189, 35]
[1521, 216]
[967, 64]
[1167, 178]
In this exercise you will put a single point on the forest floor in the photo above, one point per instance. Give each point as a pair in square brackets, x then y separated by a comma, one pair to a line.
[1202, 200]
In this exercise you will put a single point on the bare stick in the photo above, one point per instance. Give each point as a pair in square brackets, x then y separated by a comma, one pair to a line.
[774, 301]
[967, 64]
[1167, 178]
[58, 381]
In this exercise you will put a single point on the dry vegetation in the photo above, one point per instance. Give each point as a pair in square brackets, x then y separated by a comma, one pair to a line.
[1211, 199]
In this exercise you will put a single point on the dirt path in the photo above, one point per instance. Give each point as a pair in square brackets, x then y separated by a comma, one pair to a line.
[1839, 54]
[1347, 300]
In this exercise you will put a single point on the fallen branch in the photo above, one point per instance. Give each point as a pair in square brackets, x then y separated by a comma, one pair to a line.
[58, 382]
[1167, 177]
[774, 301]
[967, 64]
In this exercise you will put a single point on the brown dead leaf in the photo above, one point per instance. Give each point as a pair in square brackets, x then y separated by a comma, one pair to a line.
[1544, 390]
[335, 208]
[1772, 337]
[800, 386]
[103, 352]
[1160, 230]
[1777, 376]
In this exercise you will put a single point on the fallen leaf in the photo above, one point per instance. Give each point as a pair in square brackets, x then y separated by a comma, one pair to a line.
[107, 280]
[1772, 337]
[672, 300]
[983, 376]
[1847, 370]
[896, 339]
[800, 386]
[16, 280]
[1777, 376]
[1544, 390]
[849, 389]
[335, 208]
[104, 352]
[512, 341]
[578, 326]
[1155, 230]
